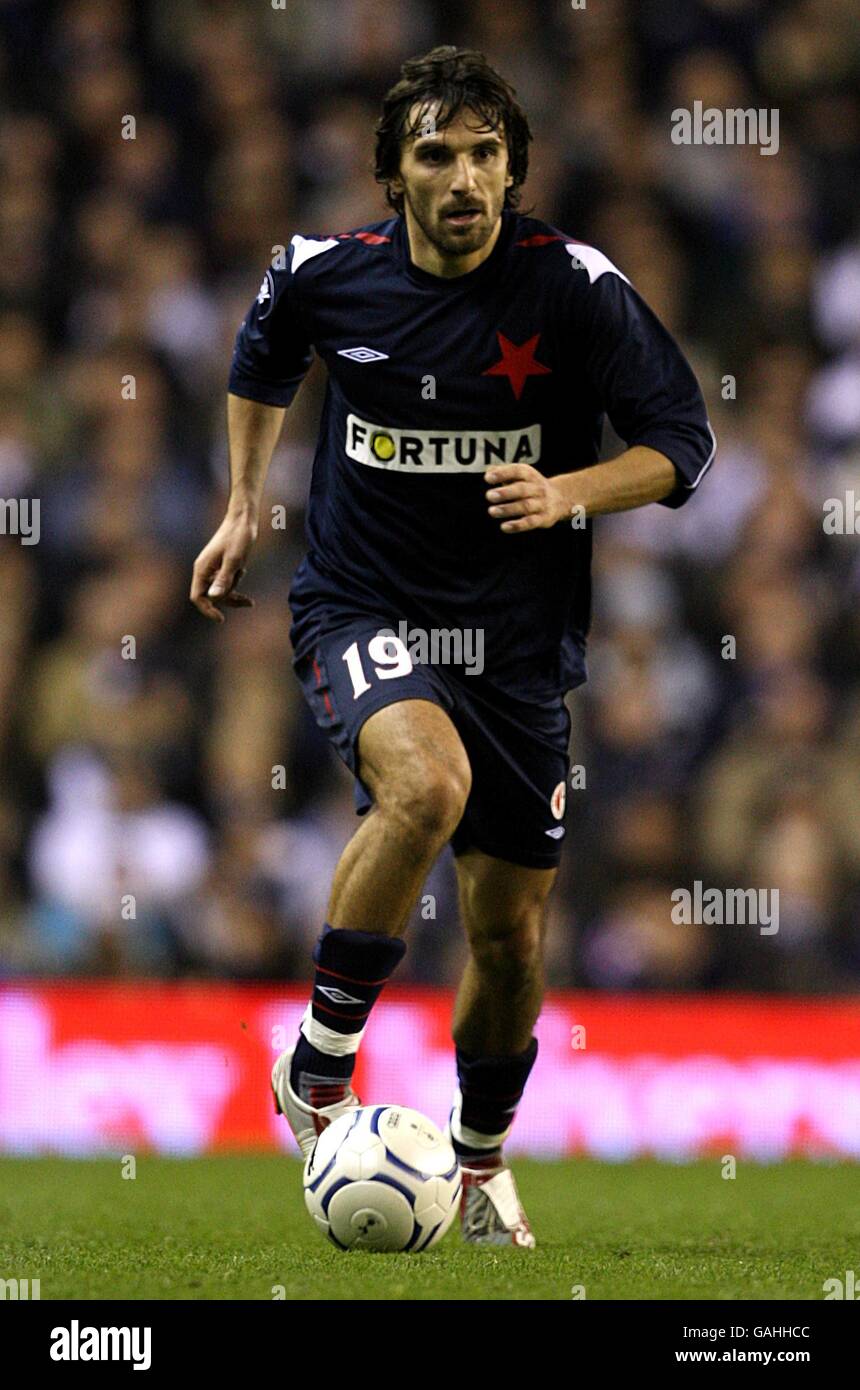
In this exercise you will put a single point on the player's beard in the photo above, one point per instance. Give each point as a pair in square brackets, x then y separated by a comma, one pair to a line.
[451, 240]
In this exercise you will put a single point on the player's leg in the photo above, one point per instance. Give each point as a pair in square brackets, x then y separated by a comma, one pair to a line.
[507, 849]
[412, 762]
[503, 912]
[498, 1002]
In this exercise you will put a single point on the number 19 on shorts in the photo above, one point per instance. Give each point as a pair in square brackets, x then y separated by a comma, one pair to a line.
[388, 656]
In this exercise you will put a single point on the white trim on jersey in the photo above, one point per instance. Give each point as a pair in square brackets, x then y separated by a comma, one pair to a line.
[304, 248]
[706, 465]
[593, 260]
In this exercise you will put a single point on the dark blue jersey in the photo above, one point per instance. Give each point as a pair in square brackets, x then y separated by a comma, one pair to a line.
[431, 381]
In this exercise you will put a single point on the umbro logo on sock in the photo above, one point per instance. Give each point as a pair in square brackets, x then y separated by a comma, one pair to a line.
[338, 996]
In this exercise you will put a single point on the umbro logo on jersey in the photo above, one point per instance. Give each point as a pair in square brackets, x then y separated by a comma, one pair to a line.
[338, 996]
[363, 354]
[556, 832]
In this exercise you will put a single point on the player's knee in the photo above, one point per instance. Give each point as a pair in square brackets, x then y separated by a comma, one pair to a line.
[513, 942]
[428, 802]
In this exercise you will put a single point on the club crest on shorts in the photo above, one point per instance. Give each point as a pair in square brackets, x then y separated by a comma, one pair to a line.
[558, 800]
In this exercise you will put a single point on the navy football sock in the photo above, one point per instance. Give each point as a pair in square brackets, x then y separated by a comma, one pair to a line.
[491, 1088]
[352, 967]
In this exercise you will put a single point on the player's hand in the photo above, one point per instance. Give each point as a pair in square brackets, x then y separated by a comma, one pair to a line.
[220, 566]
[522, 498]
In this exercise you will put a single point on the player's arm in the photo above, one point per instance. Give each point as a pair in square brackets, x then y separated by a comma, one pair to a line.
[253, 429]
[638, 376]
[271, 358]
[523, 499]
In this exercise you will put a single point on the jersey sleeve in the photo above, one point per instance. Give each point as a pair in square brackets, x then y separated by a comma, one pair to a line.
[644, 382]
[272, 354]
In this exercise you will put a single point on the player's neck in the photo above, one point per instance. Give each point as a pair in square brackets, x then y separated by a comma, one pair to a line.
[427, 256]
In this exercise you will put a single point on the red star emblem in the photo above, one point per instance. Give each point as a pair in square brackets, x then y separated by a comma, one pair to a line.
[517, 363]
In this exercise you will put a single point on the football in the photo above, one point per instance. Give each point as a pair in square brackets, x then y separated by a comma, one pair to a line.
[382, 1178]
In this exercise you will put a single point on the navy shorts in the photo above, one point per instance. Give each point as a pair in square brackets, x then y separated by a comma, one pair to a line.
[517, 750]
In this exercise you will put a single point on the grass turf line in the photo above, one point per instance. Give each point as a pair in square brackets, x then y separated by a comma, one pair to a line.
[234, 1227]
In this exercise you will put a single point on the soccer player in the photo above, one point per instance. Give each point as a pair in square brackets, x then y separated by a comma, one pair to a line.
[472, 354]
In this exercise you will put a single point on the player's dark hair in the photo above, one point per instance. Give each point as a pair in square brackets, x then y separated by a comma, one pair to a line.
[443, 82]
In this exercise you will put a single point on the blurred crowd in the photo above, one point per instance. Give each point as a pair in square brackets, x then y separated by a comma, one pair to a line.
[166, 803]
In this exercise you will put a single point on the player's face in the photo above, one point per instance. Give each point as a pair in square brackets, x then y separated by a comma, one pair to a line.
[453, 182]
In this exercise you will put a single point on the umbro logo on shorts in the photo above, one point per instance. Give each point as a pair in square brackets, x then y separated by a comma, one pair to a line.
[338, 996]
[363, 354]
[556, 832]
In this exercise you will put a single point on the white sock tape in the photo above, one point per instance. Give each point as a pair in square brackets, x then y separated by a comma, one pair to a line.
[472, 1138]
[326, 1039]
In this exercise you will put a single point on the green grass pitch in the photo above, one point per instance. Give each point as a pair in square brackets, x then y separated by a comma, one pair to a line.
[235, 1228]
